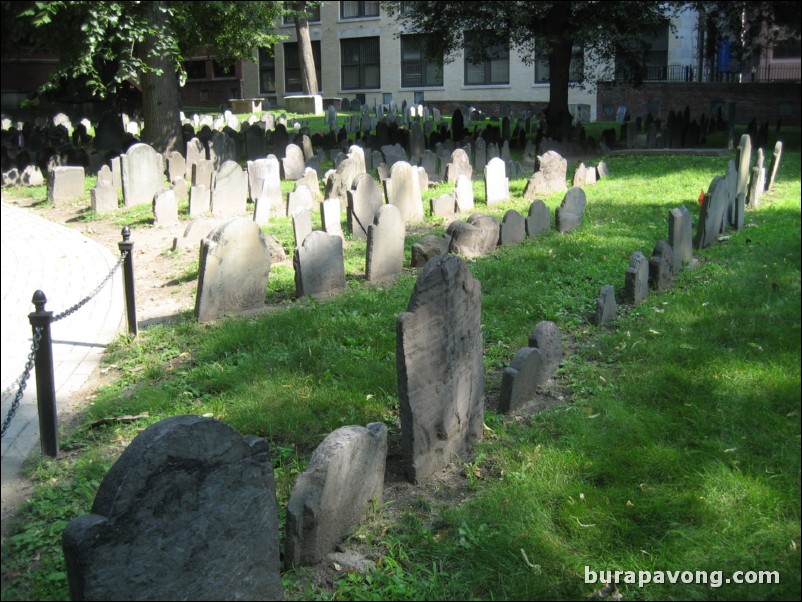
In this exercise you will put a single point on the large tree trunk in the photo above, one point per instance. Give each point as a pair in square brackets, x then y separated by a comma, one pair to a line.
[558, 117]
[161, 97]
[305, 56]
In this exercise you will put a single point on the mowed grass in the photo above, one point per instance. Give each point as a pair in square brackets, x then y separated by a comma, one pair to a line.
[678, 450]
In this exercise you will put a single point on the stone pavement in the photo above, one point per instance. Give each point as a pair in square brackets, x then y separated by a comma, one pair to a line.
[67, 267]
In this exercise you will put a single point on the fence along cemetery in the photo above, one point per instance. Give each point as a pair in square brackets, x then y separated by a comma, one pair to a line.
[439, 342]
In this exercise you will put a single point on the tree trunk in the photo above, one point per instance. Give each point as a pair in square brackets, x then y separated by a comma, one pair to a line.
[558, 117]
[305, 56]
[161, 97]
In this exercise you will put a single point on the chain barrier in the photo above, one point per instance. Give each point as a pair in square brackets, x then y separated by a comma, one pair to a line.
[22, 381]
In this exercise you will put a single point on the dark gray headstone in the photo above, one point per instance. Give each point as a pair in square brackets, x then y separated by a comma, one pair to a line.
[538, 221]
[234, 268]
[427, 248]
[636, 281]
[440, 369]
[513, 229]
[521, 378]
[344, 479]
[319, 266]
[606, 307]
[547, 338]
[162, 525]
[568, 215]
[385, 249]
[661, 265]
[476, 236]
[680, 236]
[222, 148]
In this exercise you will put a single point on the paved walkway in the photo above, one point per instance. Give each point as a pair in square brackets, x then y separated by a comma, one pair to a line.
[67, 267]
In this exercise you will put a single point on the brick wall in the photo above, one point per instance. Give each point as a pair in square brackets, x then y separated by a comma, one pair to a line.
[764, 102]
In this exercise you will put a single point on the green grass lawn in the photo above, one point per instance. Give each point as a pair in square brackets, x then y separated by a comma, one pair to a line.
[679, 448]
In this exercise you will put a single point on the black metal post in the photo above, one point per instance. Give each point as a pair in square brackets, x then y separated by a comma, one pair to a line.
[45, 385]
[126, 246]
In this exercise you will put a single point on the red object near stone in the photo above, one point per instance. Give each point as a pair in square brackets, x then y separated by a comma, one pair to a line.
[702, 196]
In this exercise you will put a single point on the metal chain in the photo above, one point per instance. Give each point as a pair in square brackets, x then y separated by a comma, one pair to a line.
[23, 379]
[80, 304]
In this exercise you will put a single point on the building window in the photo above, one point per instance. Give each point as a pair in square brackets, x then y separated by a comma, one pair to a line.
[417, 69]
[267, 72]
[576, 71]
[195, 69]
[646, 61]
[787, 49]
[292, 66]
[489, 66]
[357, 10]
[223, 70]
[312, 16]
[360, 63]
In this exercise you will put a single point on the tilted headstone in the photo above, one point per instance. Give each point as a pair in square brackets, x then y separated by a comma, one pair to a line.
[744, 163]
[230, 190]
[65, 183]
[731, 182]
[343, 179]
[200, 200]
[512, 230]
[344, 479]
[606, 307]
[440, 368]
[520, 380]
[757, 184]
[460, 165]
[538, 220]
[661, 265]
[680, 236]
[363, 203]
[497, 184]
[142, 175]
[427, 248]
[319, 266]
[568, 216]
[234, 268]
[550, 176]
[636, 281]
[165, 209]
[330, 217]
[476, 236]
[162, 526]
[403, 191]
[775, 165]
[385, 245]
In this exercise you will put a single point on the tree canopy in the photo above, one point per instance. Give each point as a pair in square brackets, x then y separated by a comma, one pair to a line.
[106, 43]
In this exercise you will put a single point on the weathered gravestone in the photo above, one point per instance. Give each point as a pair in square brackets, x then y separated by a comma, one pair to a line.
[520, 379]
[580, 176]
[195, 152]
[464, 194]
[403, 191]
[293, 164]
[712, 214]
[439, 367]
[538, 220]
[200, 200]
[606, 307]
[547, 338]
[198, 229]
[660, 266]
[443, 205]
[550, 176]
[385, 249]
[165, 209]
[330, 217]
[142, 175]
[427, 248]
[230, 190]
[680, 236]
[222, 148]
[301, 224]
[104, 197]
[775, 165]
[497, 184]
[319, 266]
[345, 476]
[176, 166]
[476, 236]
[300, 198]
[636, 281]
[744, 163]
[363, 202]
[188, 512]
[460, 165]
[568, 216]
[203, 173]
[234, 268]
[512, 230]
[65, 183]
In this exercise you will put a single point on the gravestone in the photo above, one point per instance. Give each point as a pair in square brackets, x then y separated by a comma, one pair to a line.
[712, 214]
[255, 143]
[393, 153]
[104, 197]
[660, 266]
[538, 219]
[606, 307]
[417, 144]
[440, 368]
[550, 176]
[176, 166]
[198, 229]
[203, 173]
[230, 190]
[427, 248]
[344, 479]
[520, 380]
[547, 338]
[300, 198]
[179, 188]
[222, 148]
[292, 164]
[268, 202]
[636, 281]
[680, 236]
[403, 190]
[476, 236]
[65, 183]
[142, 175]
[311, 181]
[497, 184]
[480, 154]
[200, 200]
[165, 209]
[460, 165]
[512, 230]
[301, 224]
[162, 528]
[744, 163]
[463, 191]
[775, 165]
[234, 268]
[568, 216]
[330, 217]
[443, 205]
[385, 245]
[319, 266]
[602, 171]
[580, 176]
[429, 163]
[363, 203]
[260, 170]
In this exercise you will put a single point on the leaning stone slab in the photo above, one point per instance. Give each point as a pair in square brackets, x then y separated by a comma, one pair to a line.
[538, 220]
[636, 281]
[606, 307]
[344, 479]
[774, 166]
[319, 266]
[385, 249]
[568, 216]
[188, 512]
[234, 268]
[65, 183]
[475, 237]
[520, 380]
[439, 367]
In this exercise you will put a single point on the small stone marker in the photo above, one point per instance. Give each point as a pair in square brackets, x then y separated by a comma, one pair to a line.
[680, 236]
[661, 266]
[440, 367]
[104, 197]
[234, 268]
[475, 237]
[606, 307]
[520, 379]
[512, 230]
[344, 478]
[319, 266]
[636, 281]
[548, 339]
[538, 221]
[162, 525]
[165, 209]
[65, 183]
[568, 216]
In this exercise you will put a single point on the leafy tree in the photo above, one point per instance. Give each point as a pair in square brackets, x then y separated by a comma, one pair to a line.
[108, 43]
[606, 30]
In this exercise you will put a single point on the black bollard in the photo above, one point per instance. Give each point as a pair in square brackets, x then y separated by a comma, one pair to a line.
[126, 246]
[45, 385]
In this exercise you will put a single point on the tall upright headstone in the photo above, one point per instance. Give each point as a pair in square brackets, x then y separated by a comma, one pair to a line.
[142, 175]
[385, 248]
[319, 266]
